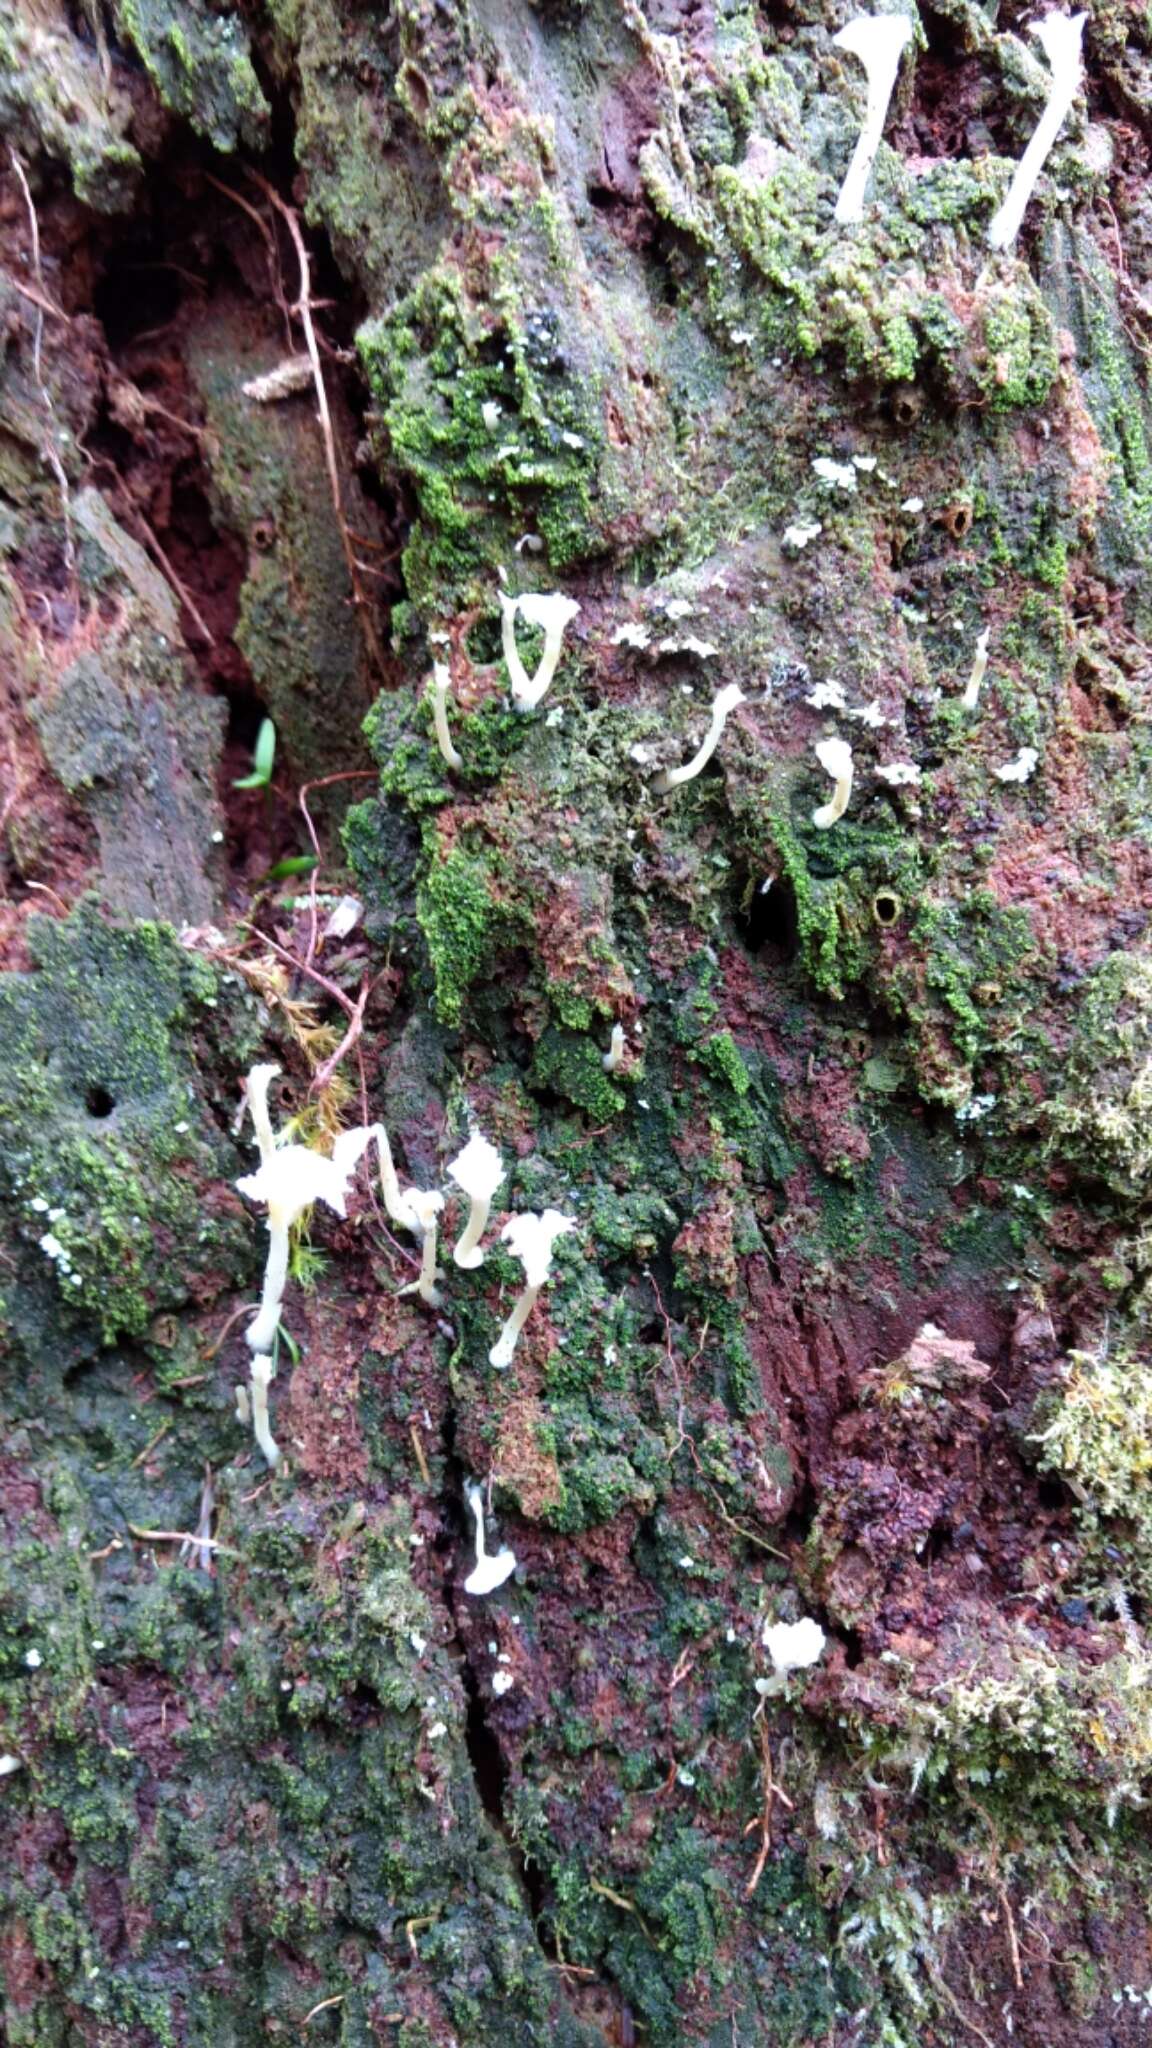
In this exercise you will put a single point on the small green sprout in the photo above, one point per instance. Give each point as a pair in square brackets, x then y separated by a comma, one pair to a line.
[263, 755]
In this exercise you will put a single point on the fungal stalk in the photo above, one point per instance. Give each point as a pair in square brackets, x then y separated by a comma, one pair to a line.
[672, 778]
[971, 696]
[478, 1171]
[835, 757]
[441, 687]
[256, 1100]
[879, 41]
[552, 612]
[1061, 38]
[263, 1371]
[530, 1238]
[488, 1572]
[614, 1057]
[424, 1208]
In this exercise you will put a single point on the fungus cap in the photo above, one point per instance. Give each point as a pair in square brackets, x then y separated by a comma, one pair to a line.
[478, 1170]
[793, 1645]
[530, 1239]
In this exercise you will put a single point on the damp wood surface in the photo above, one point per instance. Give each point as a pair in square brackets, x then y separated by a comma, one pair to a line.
[321, 327]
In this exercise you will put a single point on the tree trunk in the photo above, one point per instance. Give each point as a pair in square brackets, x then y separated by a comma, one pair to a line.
[816, 1709]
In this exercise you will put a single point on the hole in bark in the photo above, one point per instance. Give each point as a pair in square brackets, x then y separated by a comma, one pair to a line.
[767, 920]
[98, 1102]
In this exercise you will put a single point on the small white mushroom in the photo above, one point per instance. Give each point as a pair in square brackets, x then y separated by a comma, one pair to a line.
[1021, 768]
[835, 757]
[1061, 38]
[835, 476]
[615, 1053]
[827, 697]
[289, 1179]
[530, 1239]
[725, 701]
[488, 1572]
[263, 1371]
[478, 1171]
[441, 687]
[879, 41]
[8, 1764]
[793, 1645]
[424, 1207]
[971, 696]
[899, 774]
[552, 612]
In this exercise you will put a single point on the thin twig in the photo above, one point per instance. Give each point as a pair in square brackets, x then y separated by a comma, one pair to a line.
[182, 592]
[51, 452]
[183, 1536]
[346, 775]
[304, 309]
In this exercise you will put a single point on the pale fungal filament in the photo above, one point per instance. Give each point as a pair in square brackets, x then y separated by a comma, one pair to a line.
[263, 1371]
[879, 41]
[424, 1208]
[971, 696]
[530, 1238]
[488, 1572]
[835, 757]
[614, 1056]
[552, 612]
[674, 778]
[478, 1171]
[1061, 37]
[441, 687]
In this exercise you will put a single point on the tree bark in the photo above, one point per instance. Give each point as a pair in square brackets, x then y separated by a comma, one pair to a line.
[816, 1709]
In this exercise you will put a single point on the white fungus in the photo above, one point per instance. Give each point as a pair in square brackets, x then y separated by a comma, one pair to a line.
[630, 636]
[899, 774]
[530, 1239]
[263, 1371]
[793, 1645]
[827, 697]
[835, 757]
[424, 1206]
[289, 1179]
[879, 41]
[441, 687]
[971, 696]
[552, 612]
[835, 476]
[1021, 768]
[1061, 38]
[478, 1171]
[488, 1572]
[801, 532]
[615, 1053]
[672, 778]
[868, 714]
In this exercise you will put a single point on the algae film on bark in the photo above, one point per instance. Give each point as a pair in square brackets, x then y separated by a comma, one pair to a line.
[576, 1004]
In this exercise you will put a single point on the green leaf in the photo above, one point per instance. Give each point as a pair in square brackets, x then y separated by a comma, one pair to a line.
[296, 864]
[263, 755]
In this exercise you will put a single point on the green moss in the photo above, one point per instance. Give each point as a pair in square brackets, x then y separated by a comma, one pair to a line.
[1101, 1118]
[201, 66]
[459, 919]
[108, 1148]
[573, 1066]
[1020, 343]
[482, 481]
